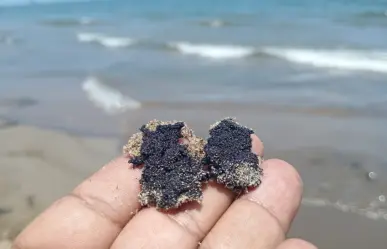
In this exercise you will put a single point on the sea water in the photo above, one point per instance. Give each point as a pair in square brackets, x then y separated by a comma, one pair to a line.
[320, 53]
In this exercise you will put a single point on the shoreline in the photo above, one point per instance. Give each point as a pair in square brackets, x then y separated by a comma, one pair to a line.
[100, 124]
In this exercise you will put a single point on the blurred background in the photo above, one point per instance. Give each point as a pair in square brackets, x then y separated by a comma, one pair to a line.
[78, 78]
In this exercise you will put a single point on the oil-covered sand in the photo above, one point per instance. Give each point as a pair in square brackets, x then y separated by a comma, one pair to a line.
[176, 163]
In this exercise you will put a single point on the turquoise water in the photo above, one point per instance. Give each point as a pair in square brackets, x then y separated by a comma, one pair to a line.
[123, 54]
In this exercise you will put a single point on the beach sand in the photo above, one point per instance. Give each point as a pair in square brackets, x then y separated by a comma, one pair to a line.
[5, 244]
[331, 228]
[39, 165]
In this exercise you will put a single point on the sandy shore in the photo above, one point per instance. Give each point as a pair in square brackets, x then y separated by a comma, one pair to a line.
[331, 228]
[38, 165]
[5, 244]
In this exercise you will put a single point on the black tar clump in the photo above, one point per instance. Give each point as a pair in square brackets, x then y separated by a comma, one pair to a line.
[172, 173]
[229, 156]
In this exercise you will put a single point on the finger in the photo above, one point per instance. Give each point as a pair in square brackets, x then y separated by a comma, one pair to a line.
[91, 216]
[182, 229]
[260, 218]
[296, 244]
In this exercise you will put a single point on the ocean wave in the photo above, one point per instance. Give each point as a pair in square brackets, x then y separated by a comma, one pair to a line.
[7, 39]
[105, 40]
[375, 18]
[216, 23]
[70, 22]
[336, 59]
[107, 98]
[373, 211]
[372, 14]
[360, 60]
[12, 3]
[213, 51]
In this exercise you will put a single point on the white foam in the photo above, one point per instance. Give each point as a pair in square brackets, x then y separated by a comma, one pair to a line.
[11, 3]
[360, 60]
[213, 51]
[88, 37]
[105, 40]
[371, 212]
[216, 23]
[108, 98]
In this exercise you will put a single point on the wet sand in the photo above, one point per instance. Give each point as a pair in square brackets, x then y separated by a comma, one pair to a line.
[341, 206]
[38, 166]
[5, 244]
[330, 228]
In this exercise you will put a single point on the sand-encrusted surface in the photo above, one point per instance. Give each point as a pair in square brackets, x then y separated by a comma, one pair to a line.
[134, 145]
[171, 156]
[229, 156]
[174, 159]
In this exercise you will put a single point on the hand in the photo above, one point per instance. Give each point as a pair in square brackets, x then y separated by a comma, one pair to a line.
[103, 212]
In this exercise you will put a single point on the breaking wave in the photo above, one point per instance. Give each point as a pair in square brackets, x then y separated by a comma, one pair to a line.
[213, 51]
[373, 211]
[105, 40]
[107, 98]
[338, 59]
[360, 60]
[12, 3]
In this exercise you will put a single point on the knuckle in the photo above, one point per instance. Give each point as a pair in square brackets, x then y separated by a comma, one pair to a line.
[291, 172]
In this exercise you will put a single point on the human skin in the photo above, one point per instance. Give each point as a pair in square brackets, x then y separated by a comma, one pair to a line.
[103, 212]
